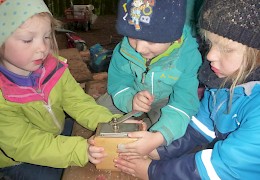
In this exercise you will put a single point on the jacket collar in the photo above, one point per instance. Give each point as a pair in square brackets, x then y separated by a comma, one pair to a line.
[130, 53]
[51, 72]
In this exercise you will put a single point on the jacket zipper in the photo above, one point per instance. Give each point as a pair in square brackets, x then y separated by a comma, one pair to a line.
[148, 61]
[49, 109]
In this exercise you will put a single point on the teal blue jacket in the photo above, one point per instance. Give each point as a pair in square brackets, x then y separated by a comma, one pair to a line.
[235, 136]
[172, 75]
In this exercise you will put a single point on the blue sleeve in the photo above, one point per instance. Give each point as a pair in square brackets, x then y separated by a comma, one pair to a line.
[202, 121]
[177, 169]
[237, 156]
[186, 144]
[177, 161]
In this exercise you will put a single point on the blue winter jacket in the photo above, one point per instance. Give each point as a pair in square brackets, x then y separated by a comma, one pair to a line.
[229, 141]
[172, 75]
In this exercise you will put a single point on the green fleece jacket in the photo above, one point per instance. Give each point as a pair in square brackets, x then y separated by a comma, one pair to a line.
[31, 119]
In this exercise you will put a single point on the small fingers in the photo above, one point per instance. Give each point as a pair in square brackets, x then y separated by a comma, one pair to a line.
[125, 148]
[91, 141]
[131, 156]
[95, 160]
[125, 166]
[96, 149]
[98, 155]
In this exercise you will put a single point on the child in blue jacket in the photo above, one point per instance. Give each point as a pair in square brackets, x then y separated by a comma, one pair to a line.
[154, 69]
[222, 140]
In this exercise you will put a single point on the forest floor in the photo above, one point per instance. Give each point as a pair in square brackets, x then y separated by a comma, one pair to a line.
[102, 32]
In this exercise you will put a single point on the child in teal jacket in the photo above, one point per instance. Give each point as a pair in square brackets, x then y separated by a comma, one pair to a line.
[154, 69]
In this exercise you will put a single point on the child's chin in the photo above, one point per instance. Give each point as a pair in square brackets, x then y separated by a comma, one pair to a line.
[220, 75]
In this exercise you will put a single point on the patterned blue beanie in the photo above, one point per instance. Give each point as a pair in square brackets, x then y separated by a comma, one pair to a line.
[159, 21]
[14, 13]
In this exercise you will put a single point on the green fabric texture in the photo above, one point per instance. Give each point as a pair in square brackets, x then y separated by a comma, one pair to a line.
[30, 132]
[14, 13]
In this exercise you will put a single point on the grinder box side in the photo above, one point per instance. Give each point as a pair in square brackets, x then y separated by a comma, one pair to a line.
[109, 138]
[110, 145]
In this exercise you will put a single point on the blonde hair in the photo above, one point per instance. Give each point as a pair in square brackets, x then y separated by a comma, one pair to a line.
[250, 62]
[54, 24]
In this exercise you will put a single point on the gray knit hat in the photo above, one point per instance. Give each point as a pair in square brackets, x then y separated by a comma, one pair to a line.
[14, 13]
[237, 20]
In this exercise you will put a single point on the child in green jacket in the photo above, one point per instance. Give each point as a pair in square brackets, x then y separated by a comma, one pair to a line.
[153, 70]
[35, 90]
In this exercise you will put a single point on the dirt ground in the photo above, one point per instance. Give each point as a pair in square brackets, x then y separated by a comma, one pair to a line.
[103, 31]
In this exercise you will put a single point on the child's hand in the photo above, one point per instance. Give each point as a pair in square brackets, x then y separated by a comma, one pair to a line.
[135, 167]
[142, 101]
[146, 143]
[154, 155]
[95, 154]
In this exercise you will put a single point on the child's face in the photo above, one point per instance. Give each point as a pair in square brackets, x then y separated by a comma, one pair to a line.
[26, 49]
[225, 55]
[147, 49]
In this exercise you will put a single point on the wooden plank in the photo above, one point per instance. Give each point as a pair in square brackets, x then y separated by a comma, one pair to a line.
[89, 172]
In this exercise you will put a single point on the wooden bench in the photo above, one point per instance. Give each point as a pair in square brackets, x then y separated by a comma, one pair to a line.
[77, 67]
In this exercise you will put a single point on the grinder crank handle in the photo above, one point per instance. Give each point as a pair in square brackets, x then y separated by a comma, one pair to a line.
[116, 121]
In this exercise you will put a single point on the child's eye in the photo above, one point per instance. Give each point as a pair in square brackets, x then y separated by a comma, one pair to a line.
[27, 41]
[47, 37]
[208, 44]
[226, 50]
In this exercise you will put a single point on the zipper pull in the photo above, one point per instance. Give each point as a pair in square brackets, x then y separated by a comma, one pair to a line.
[147, 69]
[144, 75]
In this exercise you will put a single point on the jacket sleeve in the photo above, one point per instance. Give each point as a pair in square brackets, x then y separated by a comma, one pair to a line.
[183, 102]
[177, 161]
[237, 156]
[81, 106]
[202, 121]
[121, 81]
[176, 168]
[191, 141]
[23, 141]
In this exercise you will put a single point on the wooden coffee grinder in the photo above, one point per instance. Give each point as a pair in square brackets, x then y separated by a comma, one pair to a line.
[109, 135]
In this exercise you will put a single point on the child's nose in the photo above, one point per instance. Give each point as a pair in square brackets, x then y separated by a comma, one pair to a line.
[42, 46]
[213, 54]
[140, 46]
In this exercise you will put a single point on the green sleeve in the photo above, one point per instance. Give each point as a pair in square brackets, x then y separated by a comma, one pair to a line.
[81, 106]
[23, 141]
